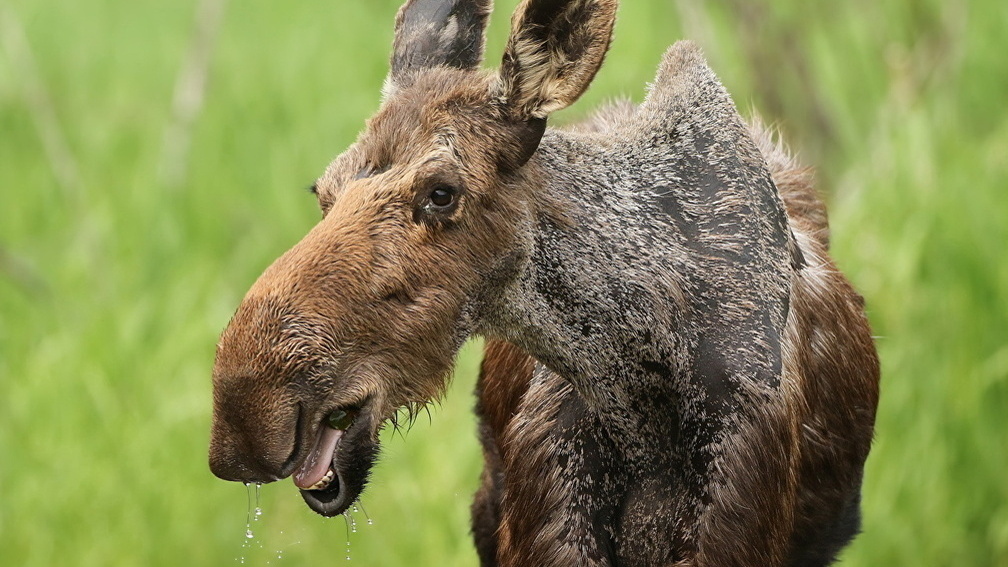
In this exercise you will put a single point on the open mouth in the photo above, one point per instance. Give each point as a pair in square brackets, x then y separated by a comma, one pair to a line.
[318, 469]
[334, 472]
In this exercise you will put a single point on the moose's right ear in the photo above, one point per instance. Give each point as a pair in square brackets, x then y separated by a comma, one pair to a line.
[555, 49]
[432, 33]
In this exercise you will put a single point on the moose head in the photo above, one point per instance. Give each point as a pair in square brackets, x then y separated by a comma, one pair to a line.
[426, 221]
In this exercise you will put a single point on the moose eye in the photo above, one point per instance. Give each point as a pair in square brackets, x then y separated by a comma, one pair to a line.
[442, 196]
[435, 204]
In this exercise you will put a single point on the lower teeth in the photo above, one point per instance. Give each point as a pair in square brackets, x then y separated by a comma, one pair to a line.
[324, 481]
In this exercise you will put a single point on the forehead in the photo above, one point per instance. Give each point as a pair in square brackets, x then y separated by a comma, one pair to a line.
[439, 108]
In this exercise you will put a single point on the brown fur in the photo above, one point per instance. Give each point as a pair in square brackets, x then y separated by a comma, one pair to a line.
[370, 249]
[505, 376]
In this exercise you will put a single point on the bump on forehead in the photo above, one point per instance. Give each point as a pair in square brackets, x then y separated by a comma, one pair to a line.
[437, 97]
[439, 106]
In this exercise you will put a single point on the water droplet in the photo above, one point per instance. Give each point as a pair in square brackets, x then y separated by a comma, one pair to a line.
[246, 541]
[363, 509]
[347, 519]
[258, 500]
[253, 514]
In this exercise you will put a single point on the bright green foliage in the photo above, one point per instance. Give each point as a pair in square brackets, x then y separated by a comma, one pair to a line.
[115, 281]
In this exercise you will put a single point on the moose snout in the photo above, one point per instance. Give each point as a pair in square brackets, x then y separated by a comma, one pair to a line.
[254, 437]
[256, 400]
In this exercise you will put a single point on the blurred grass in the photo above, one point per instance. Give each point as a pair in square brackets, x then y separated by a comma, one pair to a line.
[114, 284]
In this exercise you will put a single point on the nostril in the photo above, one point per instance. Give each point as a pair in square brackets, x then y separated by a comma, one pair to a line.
[292, 460]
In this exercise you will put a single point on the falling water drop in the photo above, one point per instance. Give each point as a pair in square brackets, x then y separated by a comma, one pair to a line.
[258, 509]
[246, 542]
[258, 506]
[369, 521]
[248, 509]
[346, 519]
[253, 515]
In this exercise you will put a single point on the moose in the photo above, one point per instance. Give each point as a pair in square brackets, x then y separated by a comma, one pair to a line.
[675, 371]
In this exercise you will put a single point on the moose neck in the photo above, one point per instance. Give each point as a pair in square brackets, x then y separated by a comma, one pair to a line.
[596, 300]
[641, 289]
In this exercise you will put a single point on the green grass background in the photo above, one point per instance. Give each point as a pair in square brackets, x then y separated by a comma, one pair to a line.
[115, 282]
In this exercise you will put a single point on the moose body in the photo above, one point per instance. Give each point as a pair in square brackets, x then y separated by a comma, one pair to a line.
[676, 373]
[750, 424]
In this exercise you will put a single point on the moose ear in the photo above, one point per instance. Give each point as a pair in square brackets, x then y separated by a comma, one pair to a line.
[432, 33]
[555, 49]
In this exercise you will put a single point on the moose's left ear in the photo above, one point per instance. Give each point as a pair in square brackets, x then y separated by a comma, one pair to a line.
[555, 49]
[432, 33]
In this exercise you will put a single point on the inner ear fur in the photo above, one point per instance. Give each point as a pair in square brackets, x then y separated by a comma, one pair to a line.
[433, 33]
[553, 53]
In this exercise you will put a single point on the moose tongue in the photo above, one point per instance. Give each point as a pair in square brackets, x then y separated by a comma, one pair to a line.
[317, 464]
